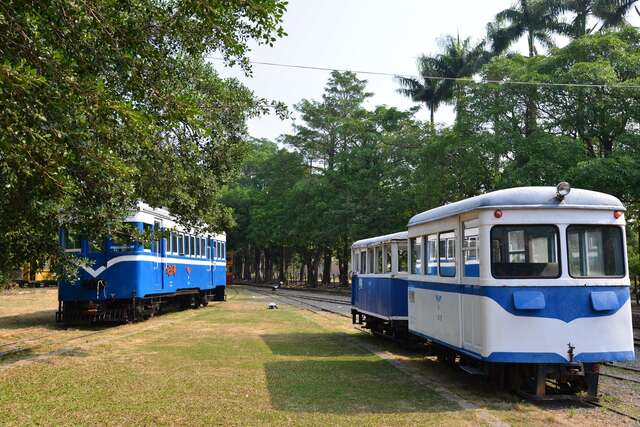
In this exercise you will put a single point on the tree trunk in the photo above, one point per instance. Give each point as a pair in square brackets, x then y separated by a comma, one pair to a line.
[246, 265]
[432, 115]
[326, 267]
[282, 274]
[268, 265]
[301, 273]
[343, 265]
[256, 264]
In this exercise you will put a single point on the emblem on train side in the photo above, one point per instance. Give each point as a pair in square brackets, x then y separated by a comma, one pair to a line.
[170, 270]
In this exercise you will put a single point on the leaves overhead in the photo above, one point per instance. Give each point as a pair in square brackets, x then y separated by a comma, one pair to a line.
[105, 103]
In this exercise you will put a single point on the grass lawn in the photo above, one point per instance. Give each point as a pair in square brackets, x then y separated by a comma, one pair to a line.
[233, 363]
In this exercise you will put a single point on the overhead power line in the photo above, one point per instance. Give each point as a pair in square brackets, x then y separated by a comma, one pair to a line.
[457, 79]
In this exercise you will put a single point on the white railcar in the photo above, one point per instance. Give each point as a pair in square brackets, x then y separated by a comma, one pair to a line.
[530, 283]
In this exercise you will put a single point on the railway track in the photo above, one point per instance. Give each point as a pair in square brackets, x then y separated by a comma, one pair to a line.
[598, 404]
[311, 303]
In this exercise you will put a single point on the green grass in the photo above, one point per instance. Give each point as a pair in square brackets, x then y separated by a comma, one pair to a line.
[234, 363]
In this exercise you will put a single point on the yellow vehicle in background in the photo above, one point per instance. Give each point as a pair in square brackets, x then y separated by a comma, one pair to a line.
[37, 276]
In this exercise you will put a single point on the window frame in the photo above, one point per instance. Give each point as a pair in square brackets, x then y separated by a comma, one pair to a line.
[558, 255]
[387, 253]
[406, 244]
[413, 259]
[625, 266]
[180, 248]
[455, 258]
[425, 254]
[378, 261]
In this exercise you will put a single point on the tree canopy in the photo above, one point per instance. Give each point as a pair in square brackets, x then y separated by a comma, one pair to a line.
[362, 172]
[106, 103]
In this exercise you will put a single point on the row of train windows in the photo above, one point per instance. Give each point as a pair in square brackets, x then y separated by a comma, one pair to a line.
[177, 244]
[530, 251]
[435, 254]
[534, 251]
[380, 259]
[195, 246]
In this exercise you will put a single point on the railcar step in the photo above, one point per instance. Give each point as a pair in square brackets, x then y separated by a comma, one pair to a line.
[472, 370]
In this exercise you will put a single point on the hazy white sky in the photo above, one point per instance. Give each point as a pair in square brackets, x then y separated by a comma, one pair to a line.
[372, 35]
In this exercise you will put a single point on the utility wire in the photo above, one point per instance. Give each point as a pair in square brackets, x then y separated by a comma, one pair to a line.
[457, 79]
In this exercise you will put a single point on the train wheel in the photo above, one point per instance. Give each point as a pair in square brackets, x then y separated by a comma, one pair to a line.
[205, 300]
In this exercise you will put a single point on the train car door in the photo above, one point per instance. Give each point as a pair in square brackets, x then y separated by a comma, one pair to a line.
[211, 255]
[156, 252]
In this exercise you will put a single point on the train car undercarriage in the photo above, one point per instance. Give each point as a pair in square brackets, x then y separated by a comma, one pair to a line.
[135, 308]
[533, 381]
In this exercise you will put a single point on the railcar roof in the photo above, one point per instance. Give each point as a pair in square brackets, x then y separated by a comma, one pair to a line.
[522, 197]
[402, 235]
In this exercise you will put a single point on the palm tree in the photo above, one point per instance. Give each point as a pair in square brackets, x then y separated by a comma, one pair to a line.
[459, 59]
[610, 14]
[437, 84]
[535, 19]
[425, 88]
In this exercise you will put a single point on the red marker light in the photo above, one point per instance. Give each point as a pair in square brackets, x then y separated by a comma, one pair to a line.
[498, 213]
[617, 214]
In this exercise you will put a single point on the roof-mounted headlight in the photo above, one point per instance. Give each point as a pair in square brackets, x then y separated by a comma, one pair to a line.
[562, 190]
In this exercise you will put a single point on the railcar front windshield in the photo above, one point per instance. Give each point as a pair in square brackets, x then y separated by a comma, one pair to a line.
[595, 251]
[525, 251]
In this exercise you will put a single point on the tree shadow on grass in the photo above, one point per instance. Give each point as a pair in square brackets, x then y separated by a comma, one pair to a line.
[348, 387]
[11, 356]
[41, 319]
[47, 319]
[313, 344]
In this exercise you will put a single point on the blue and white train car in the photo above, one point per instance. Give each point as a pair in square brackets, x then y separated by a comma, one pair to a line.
[531, 279]
[128, 281]
[379, 284]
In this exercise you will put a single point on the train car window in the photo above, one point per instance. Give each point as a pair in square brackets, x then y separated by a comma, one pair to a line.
[174, 243]
[595, 251]
[387, 257]
[197, 247]
[217, 255]
[193, 246]
[121, 239]
[180, 244]
[471, 248]
[447, 254]
[147, 235]
[371, 263]
[71, 241]
[378, 251]
[224, 250]
[203, 247]
[403, 258]
[363, 262]
[525, 251]
[95, 245]
[431, 255]
[416, 255]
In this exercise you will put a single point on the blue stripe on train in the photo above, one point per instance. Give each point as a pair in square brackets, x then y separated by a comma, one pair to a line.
[565, 303]
[145, 278]
[539, 357]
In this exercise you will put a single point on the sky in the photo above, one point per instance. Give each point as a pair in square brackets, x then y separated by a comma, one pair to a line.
[371, 35]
